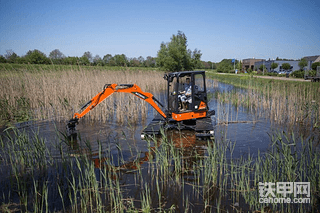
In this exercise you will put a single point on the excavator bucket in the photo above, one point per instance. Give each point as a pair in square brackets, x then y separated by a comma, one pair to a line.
[71, 129]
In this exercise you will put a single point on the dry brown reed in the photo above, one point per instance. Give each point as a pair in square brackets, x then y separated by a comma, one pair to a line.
[59, 94]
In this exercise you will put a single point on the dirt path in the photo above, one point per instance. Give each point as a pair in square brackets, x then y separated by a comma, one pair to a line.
[269, 77]
[280, 78]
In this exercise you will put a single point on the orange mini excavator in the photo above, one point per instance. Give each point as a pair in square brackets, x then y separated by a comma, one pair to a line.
[187, 107]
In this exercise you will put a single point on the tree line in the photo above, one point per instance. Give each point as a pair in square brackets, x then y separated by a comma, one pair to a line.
[172, 56]
[57, 57]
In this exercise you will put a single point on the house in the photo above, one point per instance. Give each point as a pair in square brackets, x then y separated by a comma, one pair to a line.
[294, 65]
[250, 63]
[311, 60]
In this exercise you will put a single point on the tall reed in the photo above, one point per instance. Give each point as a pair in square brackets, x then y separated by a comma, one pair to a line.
[284, 103]
[52, 94]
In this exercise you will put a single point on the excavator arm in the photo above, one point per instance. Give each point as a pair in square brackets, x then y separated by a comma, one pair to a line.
[108, 90]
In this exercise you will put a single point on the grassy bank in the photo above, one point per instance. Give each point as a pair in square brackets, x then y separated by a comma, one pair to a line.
[56, 92]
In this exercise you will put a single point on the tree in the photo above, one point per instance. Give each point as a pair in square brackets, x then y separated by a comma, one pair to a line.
[238, 65]
[206, 65]
[88, 55]
[112, 62]
[8, 54]
[150, 62]
[262, 67]
[36, 57]
[174, 56]
[106, 59]
[21, 60]
[2, 59]
[286, 66]
[56, 54]
[212, 65]
[274, 66]
[162, 55]
[225, 65]
[84, 60]
[303, 63]
[120, 60]
[314, 65]
[134, 62]
[196, 59]
[71, 60]
[11, 56]
[141, 61]
[97, 61]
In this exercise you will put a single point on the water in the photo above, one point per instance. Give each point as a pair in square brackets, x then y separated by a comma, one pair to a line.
[249, 132]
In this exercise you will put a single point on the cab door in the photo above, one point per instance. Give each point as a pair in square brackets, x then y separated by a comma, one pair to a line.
[199, 93]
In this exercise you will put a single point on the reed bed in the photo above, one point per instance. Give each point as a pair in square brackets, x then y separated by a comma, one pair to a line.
[284, 103]
[170, 177]
[58, 94]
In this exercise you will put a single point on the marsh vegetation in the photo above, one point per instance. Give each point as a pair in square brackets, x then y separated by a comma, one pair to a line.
[289, 104]
[171, 173]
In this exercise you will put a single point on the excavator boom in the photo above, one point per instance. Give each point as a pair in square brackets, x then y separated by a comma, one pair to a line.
[108, 90]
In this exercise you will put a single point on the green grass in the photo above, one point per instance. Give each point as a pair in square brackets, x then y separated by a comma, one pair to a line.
[52, 67]
[246, 80]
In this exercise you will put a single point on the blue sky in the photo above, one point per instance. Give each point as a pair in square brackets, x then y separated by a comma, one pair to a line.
[220, 29]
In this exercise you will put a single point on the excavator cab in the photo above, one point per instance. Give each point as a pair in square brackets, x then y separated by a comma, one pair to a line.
[187, 106]
[186, 92]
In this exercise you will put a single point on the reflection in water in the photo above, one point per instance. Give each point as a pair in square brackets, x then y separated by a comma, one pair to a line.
[185, 140]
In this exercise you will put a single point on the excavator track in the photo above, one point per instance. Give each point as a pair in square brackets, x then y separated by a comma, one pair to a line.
[204, 127]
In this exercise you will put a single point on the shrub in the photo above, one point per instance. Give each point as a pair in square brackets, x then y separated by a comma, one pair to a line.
[314, 65]
[271, 74]
[312, 73]
[298, 74]
[286, 66]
